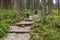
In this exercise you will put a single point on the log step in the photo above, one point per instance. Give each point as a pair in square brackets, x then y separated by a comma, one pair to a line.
[15, 29]
[18, 32]
[14, 36]
[28, 20]
[24, 23]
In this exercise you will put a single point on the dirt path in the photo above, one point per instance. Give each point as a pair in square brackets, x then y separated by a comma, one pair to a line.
[21, 31]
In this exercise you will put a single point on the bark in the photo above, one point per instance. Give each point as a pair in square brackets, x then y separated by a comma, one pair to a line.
[43, 8]
[50, 3]
[23, 4]
[20, 5]
[58, 7]
[2, 3]
[28, 4]
[7, 4]
[16, 6]
[32, 4]
[36, 4]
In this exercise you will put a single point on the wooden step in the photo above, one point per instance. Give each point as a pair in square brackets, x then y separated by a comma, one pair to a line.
[15, 29]
[28, 19]
[18, 31]
[18, 36]
[24, 23]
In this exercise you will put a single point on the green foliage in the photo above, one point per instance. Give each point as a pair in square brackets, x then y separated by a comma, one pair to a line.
[7, 18]
[47, 28]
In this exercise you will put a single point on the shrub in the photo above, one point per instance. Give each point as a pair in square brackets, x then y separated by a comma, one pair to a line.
[46, 29]
[8, 18]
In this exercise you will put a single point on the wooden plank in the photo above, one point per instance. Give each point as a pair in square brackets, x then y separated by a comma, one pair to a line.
[19, 29]
[28, 19]
[24, 23]
[18, 32]
[17, 36]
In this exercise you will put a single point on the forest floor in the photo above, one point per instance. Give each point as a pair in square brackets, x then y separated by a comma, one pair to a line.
[20, 31]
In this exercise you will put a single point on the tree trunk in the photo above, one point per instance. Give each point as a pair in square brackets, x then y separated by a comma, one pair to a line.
[50, 6]
[20, 5]
[36, 4]
[2, 3]
[43, 8]
[7, 4]
[16, 6]
[23, 4]
[28, 4]
[58, 7]
[32, 4]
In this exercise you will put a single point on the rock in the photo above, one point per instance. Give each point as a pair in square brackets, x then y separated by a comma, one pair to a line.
[58, 25]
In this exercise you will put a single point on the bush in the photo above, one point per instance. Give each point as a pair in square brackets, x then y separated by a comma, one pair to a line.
[46, 29]
[8, 18]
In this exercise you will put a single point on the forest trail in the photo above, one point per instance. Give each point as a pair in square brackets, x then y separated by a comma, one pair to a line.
[21, 30]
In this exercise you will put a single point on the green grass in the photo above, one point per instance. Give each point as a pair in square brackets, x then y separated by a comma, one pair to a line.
[46, 29]
[8, 18]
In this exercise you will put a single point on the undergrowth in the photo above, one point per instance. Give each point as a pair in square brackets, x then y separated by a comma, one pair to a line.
[46, 29]
[8, 18]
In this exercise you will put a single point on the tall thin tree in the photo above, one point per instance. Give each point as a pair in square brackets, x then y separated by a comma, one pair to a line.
[37, 4]
[58, 7]
[32, 4]
[43, 8]
[2, 3]
[16, 6]
[28, 4]
[50, 3]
